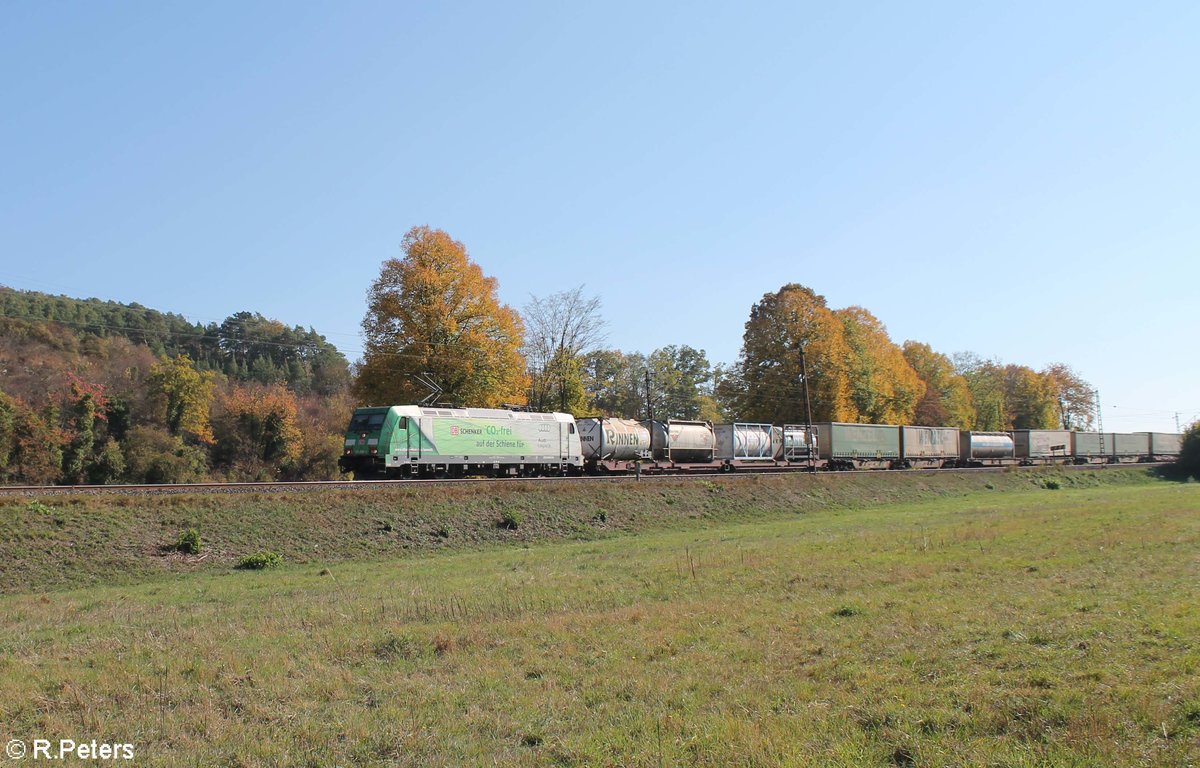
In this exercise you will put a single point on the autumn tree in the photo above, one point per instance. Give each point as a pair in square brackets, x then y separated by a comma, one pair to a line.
[985, 380]
[184, 397]
[1030, 398]
[1007, 396]
[34, 444]
[256, 431]
[322, 424]
[766, 383]
[559, 330]
[883, 386]
[1074, 398]
[433, 313]
[947, 398]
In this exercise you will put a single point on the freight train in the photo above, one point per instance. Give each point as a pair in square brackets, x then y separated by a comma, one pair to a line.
[402, 441]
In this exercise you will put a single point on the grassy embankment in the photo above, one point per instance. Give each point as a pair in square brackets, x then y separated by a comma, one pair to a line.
[57, 542]
[965, 626]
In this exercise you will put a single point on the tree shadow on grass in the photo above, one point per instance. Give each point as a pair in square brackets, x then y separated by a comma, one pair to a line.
[1175, 472]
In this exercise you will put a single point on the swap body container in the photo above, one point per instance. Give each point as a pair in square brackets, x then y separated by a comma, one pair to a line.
[606, 439]
[853, 444]
[1165, 443]
[1092, 445]
[1129, 446]
[1042, 443]
[924, 445]
[748, 442]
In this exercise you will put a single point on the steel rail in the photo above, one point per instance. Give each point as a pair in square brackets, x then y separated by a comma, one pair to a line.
[364, 485]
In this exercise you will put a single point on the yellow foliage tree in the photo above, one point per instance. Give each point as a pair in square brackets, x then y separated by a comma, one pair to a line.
[184, 395]
[1075, 399]
[434, 313]
[947, 400]
[766, 383]
[884, 387]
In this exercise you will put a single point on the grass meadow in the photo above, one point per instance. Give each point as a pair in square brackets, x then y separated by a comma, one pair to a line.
[1020, 627]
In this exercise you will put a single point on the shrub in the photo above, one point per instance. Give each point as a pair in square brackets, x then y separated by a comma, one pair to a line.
[1189, 452]
[510, 519]
[152, 455]
[1052, 485]
[189, 542]
[260, 560]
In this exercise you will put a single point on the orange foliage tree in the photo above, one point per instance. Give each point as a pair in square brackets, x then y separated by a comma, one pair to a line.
[766, 383]
[256, 431]
[434, 313]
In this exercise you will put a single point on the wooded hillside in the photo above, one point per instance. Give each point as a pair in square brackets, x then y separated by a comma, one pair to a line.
[98, 391]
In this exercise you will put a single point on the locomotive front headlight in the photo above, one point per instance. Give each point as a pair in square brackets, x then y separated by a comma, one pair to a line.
[374, 451]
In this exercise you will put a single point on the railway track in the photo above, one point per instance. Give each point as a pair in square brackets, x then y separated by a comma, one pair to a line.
[365, 486]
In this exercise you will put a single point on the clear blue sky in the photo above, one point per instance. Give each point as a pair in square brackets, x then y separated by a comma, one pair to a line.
[1021, 180]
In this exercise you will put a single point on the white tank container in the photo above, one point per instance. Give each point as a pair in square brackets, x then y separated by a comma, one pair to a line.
[987, 445]
[746, 442]
[791, 445]
[683, 442]
[613, 439]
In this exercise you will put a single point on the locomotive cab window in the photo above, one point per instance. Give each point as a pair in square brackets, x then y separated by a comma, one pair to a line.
[403, 423]
[365, 422]
[572, 429]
